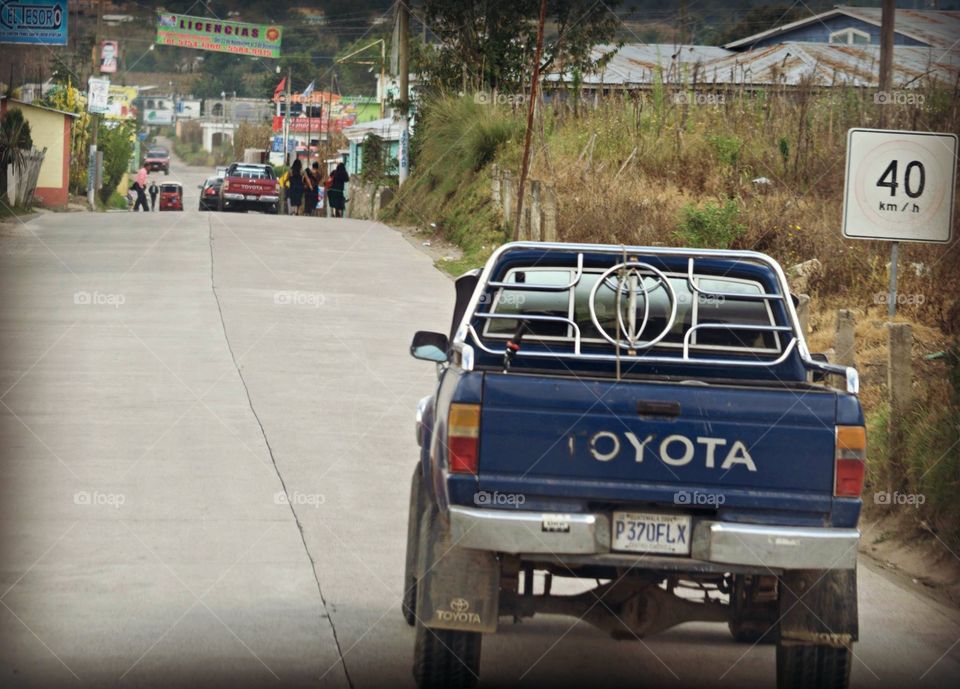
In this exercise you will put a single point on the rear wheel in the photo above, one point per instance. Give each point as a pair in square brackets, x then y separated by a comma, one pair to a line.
[441, 657]
[409, 605]
[754, 607]
[813, 667]
[446, 659]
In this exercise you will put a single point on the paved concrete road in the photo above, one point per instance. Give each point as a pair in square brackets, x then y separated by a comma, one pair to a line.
[206, 425]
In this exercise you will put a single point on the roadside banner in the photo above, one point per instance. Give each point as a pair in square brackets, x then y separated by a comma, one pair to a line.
[98, 95]
[184, 31]
[35, 22]
[121, 102]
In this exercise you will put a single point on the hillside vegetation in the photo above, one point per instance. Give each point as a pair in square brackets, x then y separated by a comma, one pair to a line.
[759, 171]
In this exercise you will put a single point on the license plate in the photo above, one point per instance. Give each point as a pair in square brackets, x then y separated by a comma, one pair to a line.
[650, 532]
[252, 197]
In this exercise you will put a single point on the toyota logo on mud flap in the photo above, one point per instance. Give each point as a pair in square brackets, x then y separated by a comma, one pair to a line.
[458, 613]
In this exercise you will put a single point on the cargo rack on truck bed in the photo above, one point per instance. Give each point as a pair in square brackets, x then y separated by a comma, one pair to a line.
[630, 277]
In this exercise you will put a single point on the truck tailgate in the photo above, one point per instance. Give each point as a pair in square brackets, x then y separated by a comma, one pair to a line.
[618, 439]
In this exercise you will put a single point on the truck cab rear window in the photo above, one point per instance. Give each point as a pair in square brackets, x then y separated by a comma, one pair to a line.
[692, 309]
[250, 172]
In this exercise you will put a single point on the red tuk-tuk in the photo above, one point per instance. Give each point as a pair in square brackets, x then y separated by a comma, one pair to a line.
[171, 196]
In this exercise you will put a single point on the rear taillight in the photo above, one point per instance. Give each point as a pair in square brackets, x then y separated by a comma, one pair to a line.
[850, 462]
[463, 438]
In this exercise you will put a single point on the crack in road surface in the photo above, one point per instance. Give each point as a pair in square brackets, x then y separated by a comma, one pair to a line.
[263, 433]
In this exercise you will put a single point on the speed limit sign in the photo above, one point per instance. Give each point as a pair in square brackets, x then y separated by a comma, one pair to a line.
[899, 185]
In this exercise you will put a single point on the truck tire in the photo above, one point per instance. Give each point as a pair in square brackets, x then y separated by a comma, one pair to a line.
[444, 658]
[753, 604]
[813, 667]
[409, 605]
[816, 605]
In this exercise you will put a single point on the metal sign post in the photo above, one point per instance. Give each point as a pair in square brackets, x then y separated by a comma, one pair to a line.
[899, 187]
[892, 290]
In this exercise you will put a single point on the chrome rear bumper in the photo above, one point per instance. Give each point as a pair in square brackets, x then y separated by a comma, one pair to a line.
[764, 547]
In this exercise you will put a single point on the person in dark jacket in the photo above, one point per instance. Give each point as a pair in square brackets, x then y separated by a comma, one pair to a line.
[295, 192]
[338, 201]
[154, 190]
[310, 194]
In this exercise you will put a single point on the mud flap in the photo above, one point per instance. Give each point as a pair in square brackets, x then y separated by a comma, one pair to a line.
[458, 588]
[819, 608]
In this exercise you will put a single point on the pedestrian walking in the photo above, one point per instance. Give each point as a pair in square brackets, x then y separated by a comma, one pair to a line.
[311, 193]
[337, 199]
[295, 194]
[154, 190]
[319, 188]
[140, 186]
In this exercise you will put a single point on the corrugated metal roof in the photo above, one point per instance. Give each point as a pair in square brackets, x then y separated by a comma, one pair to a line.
[790, 64]
[824, 64]
[937, 28]
[387, 129]
[637, 63]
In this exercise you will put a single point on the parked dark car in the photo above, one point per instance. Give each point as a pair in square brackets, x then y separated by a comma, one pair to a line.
[157, 158]
[210, 194]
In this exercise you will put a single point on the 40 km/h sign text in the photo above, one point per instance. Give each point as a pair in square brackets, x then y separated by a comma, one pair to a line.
[899, 185]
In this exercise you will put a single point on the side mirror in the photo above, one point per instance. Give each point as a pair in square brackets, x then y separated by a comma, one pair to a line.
[429, 346]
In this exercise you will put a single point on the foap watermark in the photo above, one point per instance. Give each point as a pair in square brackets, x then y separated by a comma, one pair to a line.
[697, 498]
[298, 499]
[898, 98]
[505, 298]
[899, 298]
[703, 299]
[484, 498]
[698, 98]
[95, 298]
[885, 497]
[298, 298]
[487, 98]
[97, 499]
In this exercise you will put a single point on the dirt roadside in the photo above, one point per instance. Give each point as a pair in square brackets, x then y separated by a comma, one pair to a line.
[913, 555]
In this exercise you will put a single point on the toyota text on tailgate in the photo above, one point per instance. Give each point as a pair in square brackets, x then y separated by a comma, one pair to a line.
[650, 422]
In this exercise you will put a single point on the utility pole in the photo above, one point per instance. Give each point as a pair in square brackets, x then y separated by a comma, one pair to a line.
[383, 79]
[403, 66]
[94, 120]
[683, 22]
[530, 108]
[286, 120]
[887, 22]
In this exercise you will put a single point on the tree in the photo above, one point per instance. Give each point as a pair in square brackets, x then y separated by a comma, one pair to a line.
[64, 96]
[15, 140]
[379, 167]
[489, 45]
[116, 143]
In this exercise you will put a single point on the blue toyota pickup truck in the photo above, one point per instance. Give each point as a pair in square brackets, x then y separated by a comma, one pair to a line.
[648, 419]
